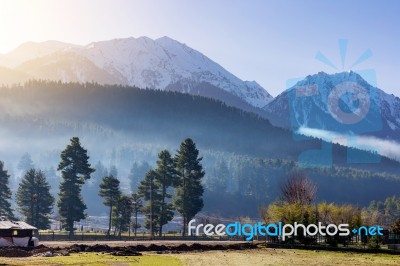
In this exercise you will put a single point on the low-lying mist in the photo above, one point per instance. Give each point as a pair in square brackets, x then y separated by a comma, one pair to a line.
[388, 148]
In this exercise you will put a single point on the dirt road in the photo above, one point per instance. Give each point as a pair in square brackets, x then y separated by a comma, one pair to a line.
[64, 244]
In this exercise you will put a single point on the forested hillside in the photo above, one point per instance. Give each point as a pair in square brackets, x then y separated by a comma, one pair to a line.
[126, 127]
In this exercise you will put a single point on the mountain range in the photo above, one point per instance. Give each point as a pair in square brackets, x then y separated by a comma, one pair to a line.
[344, 103]
[166, 64]
[126, 127]
[159, 92]
[163, 64]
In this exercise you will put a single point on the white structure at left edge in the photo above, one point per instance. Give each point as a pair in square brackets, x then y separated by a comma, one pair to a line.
[16, 233]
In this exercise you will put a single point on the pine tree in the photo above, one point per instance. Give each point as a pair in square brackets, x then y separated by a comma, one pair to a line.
[189, 190]
[109, 190]
[165, 178]
[5, 193]
[149, 190]
[75, 170]
[122, 214]
[34, 199]
[137, 206]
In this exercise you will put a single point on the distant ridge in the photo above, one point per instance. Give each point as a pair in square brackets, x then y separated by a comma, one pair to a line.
[141, 62]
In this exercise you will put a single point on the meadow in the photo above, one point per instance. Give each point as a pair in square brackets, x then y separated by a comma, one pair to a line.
[260, 256]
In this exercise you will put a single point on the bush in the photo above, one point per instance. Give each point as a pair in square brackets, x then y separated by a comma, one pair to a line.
[374, 243]
[396, 227]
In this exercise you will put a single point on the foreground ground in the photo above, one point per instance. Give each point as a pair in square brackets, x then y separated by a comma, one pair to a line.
[178, 253]
[172, 243]
[265, 256]
[95, 259]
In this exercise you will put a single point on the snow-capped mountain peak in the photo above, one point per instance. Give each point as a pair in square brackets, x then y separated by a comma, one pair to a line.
[343, 102]
[158, 63]
[142, 62]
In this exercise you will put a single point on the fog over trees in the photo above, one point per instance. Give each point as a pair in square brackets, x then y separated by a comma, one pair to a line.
[124, 129]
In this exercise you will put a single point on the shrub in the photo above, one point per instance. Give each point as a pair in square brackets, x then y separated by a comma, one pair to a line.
[374, 243]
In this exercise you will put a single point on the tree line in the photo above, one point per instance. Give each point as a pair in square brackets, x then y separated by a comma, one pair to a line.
[297, 204]
[175, 185]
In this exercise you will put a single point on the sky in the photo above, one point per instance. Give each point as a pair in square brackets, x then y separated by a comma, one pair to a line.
[266, 41]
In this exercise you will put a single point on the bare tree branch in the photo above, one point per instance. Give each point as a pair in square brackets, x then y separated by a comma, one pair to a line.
[299, 189]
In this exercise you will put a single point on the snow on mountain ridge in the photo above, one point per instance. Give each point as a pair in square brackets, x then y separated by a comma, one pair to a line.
[157, 63]
[145, 63]
[148, 63]
[311, 103]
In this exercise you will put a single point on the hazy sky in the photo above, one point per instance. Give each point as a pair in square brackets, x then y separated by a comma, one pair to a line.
[266, 41]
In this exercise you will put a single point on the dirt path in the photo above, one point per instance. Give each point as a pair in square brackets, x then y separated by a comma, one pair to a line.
[64, 244]
[119, 248]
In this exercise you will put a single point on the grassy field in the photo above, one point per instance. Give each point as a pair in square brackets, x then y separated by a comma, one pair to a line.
[261, 256]
[94, 259]
[264, 256]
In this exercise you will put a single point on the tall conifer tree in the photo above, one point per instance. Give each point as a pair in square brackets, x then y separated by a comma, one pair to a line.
[109, 190]
[5, 193]
[75, 170]
[189, 190]
[165, 178]
[34, 199]
[149, 191]
[137, 206]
